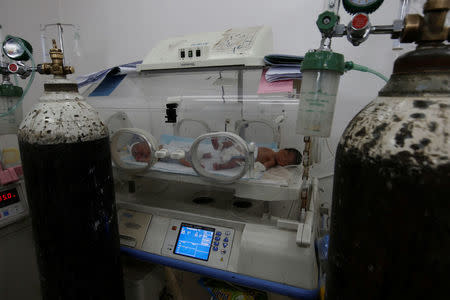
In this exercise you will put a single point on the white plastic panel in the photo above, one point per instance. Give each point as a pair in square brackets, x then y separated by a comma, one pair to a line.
[236, 46]
[274, 255]
[257, 250]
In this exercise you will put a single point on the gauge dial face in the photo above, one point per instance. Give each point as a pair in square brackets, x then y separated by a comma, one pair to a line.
[365, 6]
[12, 49]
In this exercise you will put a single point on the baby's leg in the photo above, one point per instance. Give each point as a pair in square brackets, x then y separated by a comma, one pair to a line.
[185, 162]
[228, 165]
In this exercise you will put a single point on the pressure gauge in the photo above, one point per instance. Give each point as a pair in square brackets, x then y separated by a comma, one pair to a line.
[364, 6]
[14, 48]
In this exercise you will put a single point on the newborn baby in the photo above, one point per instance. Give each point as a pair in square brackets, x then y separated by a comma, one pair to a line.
[265, 156]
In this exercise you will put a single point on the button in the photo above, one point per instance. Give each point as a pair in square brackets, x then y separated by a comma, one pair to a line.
[190, 53]
[217, 238]
[225, 240]
[215, 248]
[174, 227]
[216, 243]
[182, 54]
[227, 233]
[223, 251]
[197, 52]
[218, 233]
[225, 245]
[5, 213]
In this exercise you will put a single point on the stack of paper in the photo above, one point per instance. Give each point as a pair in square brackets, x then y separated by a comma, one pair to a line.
[283, 73]
[283, 67]
[283, 60]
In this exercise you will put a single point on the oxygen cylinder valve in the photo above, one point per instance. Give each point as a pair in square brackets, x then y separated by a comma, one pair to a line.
[56, 67]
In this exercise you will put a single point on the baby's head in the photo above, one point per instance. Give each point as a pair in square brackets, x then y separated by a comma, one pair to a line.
[141, 152]
[288, 156]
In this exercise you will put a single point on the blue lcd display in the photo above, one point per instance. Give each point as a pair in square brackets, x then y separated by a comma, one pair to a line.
[194, 241]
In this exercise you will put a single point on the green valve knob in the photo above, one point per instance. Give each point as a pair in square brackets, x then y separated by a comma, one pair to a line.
[364, 6]
[326, 21]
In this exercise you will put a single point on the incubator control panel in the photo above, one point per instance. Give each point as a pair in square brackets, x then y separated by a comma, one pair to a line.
[13, 203]
[199, 243]
[133, 227]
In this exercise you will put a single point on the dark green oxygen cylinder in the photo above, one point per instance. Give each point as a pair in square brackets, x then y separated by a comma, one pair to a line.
[390, 223]
[68, 175]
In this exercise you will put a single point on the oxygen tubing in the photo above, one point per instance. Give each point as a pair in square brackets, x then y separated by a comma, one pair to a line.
[349, 65]
[30, 81]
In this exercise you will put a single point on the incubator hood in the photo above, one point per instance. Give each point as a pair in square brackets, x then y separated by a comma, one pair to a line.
[180, 108]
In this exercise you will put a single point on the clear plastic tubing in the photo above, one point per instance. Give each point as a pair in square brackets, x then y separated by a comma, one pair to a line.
[331, 5]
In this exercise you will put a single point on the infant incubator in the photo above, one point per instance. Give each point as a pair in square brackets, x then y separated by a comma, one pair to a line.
[192, 187]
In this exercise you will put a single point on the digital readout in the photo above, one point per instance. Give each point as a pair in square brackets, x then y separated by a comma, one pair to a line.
[9, 197]
[194, 241]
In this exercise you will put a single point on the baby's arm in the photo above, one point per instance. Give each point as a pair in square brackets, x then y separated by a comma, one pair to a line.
[220, 144]
[270, 163]
[266, 156]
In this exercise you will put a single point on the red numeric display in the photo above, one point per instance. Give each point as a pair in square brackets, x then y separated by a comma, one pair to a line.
[9, 197]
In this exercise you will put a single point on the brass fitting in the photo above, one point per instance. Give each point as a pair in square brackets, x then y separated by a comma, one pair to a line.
[430, 27]
[56, 67]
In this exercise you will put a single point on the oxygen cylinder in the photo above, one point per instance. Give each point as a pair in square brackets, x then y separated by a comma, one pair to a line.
[67, 169]
[390, 224]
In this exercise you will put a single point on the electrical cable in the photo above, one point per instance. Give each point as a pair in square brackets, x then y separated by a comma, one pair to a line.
[30, 81]
[203, 285]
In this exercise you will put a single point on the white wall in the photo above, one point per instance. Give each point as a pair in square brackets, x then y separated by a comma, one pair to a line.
[115, 32]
